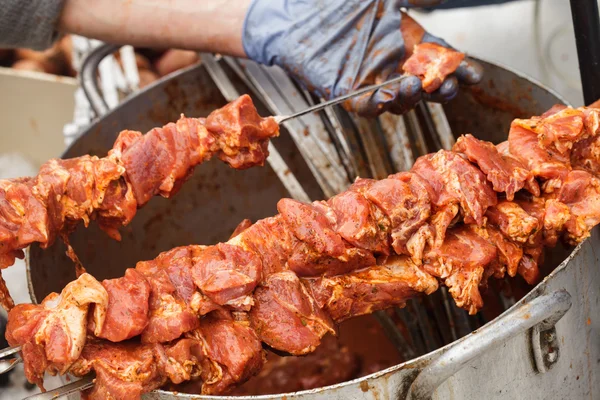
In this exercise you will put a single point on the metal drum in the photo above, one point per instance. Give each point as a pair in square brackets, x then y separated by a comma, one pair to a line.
[546, 346]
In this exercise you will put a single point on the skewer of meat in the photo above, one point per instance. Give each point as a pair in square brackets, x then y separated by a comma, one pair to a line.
[458, 218]
[110, 189]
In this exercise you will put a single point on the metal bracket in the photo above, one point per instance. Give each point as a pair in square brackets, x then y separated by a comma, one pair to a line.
[545, 347]
[541, 313]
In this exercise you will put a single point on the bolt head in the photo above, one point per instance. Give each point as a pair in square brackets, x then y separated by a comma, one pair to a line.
[552, 357]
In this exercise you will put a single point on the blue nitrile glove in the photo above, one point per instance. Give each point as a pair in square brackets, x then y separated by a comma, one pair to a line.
[335, 46]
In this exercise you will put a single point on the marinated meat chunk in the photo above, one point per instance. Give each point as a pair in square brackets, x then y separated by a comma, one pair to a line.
[241, 133]
[58, 325]
[371, 289]
[319, 249]
[542, 162]
[460, 263]
[123, 370]
[311, 226]
[455, 180]
[514, 222]
[227, 274]
[557, 130]
[359, 221]
[172, 288]
[271, 240]
[581, 193]
[235, 347]
[432, 63]
[306, 262]
[127, 309]
[505, 173]
[407, 210]
[286, 317]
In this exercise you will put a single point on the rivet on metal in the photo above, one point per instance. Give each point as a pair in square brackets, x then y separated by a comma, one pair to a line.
[545, 348]
[549, 337]
[552, 357]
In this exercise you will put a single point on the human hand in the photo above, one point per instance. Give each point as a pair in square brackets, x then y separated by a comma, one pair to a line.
[334, 47]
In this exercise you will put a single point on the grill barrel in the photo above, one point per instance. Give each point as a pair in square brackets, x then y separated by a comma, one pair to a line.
[440, 340]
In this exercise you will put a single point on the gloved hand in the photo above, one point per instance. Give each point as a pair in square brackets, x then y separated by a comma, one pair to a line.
[335, 46]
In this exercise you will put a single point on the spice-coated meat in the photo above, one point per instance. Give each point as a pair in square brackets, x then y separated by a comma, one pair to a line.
[514, 222]
[286, 280]
[171, 290]
[432, 63]
[110, 189]
[581, 194]
[286, 317]
[127, 308]
[366, 291]
[504, 172]
[454, 180]
[543, 163]
[460, 262]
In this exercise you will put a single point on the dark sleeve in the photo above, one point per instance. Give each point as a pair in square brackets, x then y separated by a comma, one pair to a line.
[29, 23]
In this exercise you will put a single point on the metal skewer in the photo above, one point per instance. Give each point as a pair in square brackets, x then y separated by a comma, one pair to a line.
[74, 387]
[9, 350]
[317, 107]
[7, 364]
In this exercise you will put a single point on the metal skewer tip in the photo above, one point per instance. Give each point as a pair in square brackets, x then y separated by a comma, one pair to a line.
[9, 351]
[282, 118]
[7, 365]
[74, 387]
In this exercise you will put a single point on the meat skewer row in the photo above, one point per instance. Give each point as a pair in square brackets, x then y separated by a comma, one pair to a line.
[111, 189]
[201, 312]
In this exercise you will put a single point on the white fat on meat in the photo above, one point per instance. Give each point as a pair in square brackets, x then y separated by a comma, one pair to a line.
[69, 314]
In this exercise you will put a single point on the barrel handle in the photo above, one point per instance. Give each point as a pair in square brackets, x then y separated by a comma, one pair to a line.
[542, 313]
[88, 77]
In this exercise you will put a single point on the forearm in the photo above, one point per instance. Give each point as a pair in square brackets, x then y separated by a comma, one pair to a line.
[208, 25]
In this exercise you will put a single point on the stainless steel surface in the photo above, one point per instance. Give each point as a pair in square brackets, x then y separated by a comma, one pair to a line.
[8, 364]
[308, 132]
[9, 351]
[337, 100]
[66, 390]
[89, 80]
[542, 312]
[508, 371]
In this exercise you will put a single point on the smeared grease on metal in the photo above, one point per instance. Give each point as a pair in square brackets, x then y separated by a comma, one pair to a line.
[364, 386]
[496, 103]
